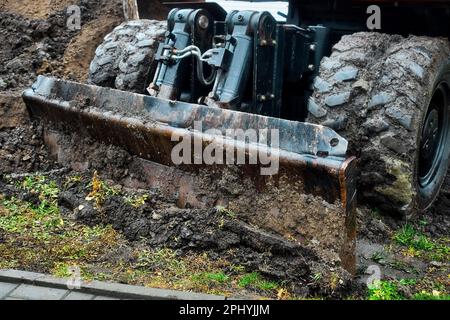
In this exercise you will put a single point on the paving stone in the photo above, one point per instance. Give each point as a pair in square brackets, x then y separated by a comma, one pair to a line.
[105, 298]
[18, 276]
[137, 292]
[30, 292]
[34, 286]
[6, 288]
[79, 296]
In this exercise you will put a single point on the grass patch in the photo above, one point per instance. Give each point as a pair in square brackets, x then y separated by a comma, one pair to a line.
[255, 280]
[431, 296]
[39, 237]
[36, 237]
[211, 277]
[419, 245]
[385, 290]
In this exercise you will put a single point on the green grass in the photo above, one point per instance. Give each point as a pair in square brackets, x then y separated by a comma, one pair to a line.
[254, 279]
[37, 234]
[211, 277]
[420, 245]
[429, 296]
[389, 290]
[385, 290]
[36, 237]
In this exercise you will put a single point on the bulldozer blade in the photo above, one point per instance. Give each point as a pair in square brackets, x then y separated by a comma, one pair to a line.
[311, 197]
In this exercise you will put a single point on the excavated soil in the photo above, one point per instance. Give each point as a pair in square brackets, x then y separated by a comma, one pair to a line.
[35, 41]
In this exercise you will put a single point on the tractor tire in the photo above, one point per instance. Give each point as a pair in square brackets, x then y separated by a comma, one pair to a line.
[125, 60]
[390, 97]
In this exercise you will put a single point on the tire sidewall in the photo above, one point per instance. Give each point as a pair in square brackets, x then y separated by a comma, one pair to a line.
[425, 200]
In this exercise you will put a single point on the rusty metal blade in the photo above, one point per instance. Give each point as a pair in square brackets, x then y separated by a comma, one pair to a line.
[312, 197]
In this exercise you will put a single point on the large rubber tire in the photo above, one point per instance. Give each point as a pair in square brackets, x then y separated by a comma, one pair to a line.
[125, 60]
[377, 91]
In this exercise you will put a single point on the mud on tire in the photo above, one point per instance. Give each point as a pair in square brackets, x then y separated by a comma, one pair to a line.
[375, 90]
[125, 59]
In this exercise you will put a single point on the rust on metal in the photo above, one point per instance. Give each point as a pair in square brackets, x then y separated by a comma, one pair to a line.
[312, 159]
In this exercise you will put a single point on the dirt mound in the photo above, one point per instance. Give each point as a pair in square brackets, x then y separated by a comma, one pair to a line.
[34, 9]
[81, 49]
[42, 43]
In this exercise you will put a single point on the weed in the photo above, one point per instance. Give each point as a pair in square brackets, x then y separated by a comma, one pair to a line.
[317, 277]
[408, 282]
[419, 245]
[254, 279]
[211, 277]
[385, 290]
[237, 268]
[436, 295]
[137, 201]
[378, 256]
[224, 211]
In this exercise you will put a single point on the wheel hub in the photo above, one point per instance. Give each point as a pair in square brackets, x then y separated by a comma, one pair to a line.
[433, 141]
[430, 136]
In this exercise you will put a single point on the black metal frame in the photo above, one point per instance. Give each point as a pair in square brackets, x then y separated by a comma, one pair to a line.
[268, 68]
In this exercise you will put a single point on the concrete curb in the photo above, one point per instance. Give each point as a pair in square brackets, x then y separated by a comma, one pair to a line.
[97, 288]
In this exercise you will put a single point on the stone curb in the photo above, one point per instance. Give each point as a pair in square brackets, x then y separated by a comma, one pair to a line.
[116, 290]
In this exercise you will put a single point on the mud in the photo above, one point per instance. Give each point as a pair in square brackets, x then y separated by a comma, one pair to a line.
[35, 41]
[307, 222]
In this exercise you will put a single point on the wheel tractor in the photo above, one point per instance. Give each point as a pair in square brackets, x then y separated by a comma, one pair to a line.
[353, 109]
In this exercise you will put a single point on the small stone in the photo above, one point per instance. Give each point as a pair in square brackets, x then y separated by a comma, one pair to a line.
[346, 74]
[3, 85]
[379, 99]
[337, 99]
[321, 85]
[315, 109]
[156, 216]
[26, 158]
[80, 207]
[437, 264]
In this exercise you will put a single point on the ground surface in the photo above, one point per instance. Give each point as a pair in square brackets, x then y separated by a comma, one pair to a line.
[25, 285]
[53, 218]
